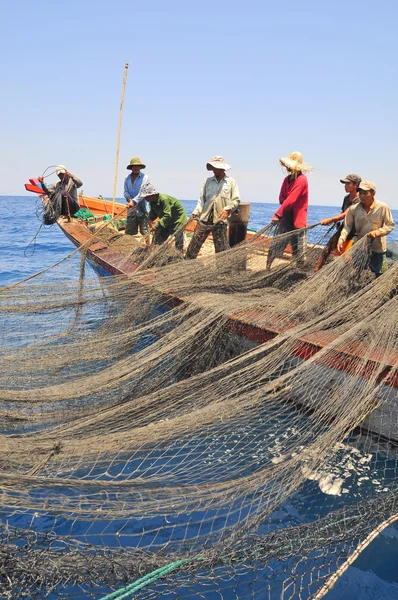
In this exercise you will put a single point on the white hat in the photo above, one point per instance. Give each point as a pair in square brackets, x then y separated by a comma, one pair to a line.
[147, 190]
[59, 169]
[217, 162]
[294, 163]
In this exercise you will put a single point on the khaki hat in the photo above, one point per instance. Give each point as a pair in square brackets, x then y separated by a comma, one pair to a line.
[135, 162]
[352, 178]
[217, 162]
[367, 185]
[294, 163]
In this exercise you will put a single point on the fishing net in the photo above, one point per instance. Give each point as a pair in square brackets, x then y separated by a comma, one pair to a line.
[210, 428]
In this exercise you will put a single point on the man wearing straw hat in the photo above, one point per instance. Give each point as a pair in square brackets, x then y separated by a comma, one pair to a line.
[218, 198]
[137, 214]
[166, 216]
[292, 213]
[370, 218]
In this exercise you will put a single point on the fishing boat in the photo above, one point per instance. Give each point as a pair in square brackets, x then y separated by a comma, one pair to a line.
[247, 327]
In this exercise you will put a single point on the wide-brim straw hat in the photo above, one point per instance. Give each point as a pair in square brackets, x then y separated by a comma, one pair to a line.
[217, 162]
[294, 163]
[136, 162]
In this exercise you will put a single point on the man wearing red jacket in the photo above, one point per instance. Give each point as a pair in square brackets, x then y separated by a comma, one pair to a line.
[292, 213]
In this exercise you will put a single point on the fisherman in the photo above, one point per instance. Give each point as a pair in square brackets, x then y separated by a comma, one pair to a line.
[292, 213]
[166, 216]
[351, 183]
[137, 214]
[218, 198]
[370, 218]
[67, 186]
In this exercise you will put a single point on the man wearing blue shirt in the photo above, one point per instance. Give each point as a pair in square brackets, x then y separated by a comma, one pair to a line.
[137, 213]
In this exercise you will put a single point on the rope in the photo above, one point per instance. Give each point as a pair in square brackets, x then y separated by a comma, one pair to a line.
[32, 241]
[360, 548]
[132, 588]
[163, 571]
[49, 174]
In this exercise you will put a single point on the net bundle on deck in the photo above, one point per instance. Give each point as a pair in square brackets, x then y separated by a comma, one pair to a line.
[230, 429]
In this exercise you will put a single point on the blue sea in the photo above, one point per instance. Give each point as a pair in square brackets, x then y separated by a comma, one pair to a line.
[374, 576]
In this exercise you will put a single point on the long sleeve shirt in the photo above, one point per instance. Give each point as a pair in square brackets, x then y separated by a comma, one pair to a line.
[293, 199]
[67, 188]
[215, 197]
[378, 219]
[132, 190]
[170, 212]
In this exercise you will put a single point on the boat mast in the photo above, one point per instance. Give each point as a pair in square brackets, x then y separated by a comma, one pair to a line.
[126, 66]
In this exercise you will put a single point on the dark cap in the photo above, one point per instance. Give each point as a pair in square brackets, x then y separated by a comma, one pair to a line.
[352, 178]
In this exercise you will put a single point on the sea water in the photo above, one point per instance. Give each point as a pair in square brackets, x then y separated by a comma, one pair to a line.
[374, 575]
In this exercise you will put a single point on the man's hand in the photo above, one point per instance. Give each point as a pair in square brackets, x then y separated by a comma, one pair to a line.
[372, 234]
[327, 221]
[40, 179]
[340, 245]
[130, 203]
[275, 219]
[224, 214]
[194, 216]
[152, 225]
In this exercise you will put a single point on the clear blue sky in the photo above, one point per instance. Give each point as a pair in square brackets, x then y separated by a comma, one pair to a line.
[250, 80]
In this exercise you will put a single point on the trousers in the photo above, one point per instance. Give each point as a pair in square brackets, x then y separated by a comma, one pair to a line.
[201, 233]
[134, 222]
[163, 233]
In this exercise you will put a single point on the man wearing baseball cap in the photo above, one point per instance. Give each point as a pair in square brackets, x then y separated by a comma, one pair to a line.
[370, 218]
[351, 183]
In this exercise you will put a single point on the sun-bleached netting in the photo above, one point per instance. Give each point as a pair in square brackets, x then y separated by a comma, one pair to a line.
[238, 419]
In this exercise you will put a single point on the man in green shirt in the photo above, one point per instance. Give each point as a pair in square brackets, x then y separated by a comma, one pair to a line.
[166, 216]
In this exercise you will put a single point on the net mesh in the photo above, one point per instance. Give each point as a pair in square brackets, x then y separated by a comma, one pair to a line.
[238, 418]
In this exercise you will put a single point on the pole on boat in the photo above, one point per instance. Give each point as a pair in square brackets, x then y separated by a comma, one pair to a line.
[126, 66]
